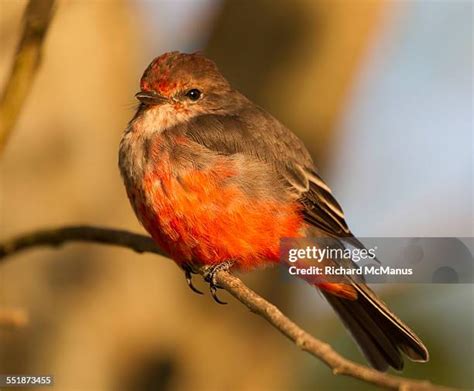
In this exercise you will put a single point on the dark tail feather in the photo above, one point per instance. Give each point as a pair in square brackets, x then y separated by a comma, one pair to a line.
[378, 332]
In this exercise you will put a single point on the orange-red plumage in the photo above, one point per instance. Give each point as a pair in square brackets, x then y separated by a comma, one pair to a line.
[208, 223]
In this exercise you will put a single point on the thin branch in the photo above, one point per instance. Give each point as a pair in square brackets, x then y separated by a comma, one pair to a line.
[59, 236]
[140, 243]
[36, 20]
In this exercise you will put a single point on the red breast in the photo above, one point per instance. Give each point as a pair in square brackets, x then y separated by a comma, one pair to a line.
[203, 216]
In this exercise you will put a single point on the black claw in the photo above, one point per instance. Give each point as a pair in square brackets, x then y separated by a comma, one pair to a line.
[213, 290]
[210, 277]
[188, 274]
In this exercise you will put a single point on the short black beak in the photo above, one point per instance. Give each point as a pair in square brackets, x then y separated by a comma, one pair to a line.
[150, 98]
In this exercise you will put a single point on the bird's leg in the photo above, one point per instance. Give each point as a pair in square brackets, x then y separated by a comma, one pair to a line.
[210, 277]
[188, 273]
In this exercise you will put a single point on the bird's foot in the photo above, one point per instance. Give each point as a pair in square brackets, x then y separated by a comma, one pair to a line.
[210, 277]
[188, 273]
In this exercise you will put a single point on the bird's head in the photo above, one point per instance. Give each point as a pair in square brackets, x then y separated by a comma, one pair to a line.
[186, 84]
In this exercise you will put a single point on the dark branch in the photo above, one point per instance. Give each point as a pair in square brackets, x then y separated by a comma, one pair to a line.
[59, 236]
[140, 243]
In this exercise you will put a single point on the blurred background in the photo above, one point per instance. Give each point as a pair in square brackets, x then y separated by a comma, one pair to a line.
[380, 91]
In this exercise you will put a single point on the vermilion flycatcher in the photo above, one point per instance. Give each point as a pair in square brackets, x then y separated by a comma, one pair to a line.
[218, 181]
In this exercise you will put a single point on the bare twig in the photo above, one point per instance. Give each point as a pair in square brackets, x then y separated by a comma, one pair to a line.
[140, 243]
[56, 237]
[36, 20]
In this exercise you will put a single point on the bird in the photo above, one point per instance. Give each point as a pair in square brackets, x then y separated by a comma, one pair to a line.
[217, 182]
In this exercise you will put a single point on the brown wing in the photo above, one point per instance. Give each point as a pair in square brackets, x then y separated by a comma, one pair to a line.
[256, 134]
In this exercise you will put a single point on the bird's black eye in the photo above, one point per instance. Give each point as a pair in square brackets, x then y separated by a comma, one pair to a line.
[194, 94]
